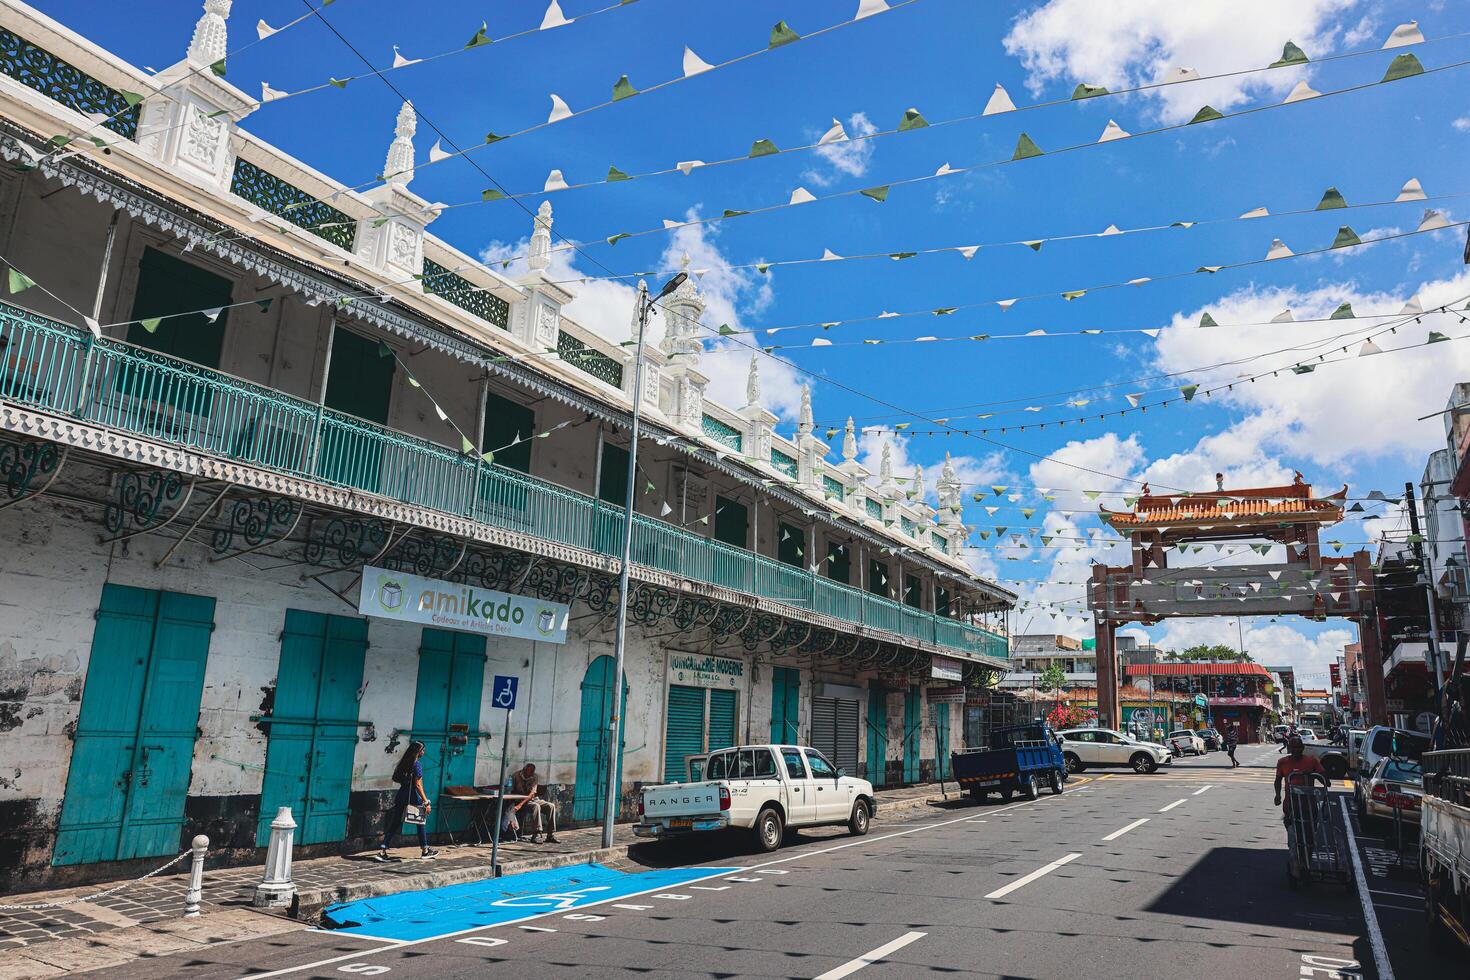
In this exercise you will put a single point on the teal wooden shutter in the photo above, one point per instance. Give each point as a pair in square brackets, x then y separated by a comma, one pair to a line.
[722, 720]
[683, 730]
[612, 481]
[450, 682]
[133, 749]
[360, 378]
[785, 705]
[589, 801]
[877, 736]
[912, 726]
[168, 286]
[505, 422]
[941, 741]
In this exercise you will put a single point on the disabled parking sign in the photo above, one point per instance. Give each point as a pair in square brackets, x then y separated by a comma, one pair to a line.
[504, 691]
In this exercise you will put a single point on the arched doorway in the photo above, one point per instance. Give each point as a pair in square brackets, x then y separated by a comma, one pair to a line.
[590, 798]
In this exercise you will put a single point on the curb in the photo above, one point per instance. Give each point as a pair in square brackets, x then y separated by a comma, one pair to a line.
[310, 901]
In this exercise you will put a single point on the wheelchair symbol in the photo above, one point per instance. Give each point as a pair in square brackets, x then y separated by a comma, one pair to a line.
[505, 691]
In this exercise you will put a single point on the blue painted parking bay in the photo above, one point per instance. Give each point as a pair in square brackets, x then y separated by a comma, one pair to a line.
[435, 912]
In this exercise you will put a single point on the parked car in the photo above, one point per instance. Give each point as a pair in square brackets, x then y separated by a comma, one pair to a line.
[1380, 742]
[1212, 739]
[1395, 786]
[1020, 758]
[1185, 742]
[763, 789]
[1083, 747]
[1306, 734]
[1279, 732]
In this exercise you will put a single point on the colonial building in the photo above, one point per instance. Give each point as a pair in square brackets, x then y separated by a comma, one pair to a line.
[285, 481]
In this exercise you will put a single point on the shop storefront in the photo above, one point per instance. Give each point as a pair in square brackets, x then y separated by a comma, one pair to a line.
[701, 710]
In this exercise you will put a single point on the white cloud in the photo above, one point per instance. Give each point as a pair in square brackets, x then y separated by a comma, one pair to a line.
[846, 159]
[1126, 43]
[1462, 124]
[971, 471]
[605, 306]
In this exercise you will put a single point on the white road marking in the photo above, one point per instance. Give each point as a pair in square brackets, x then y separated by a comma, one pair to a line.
[633, 908]
[867, 959]
[485, 941]
[860, 842]
[1375, 935]
[537, 929]
[357, 935]
[1380, 891]
[1202, 789]
[1172, 805]
[1132, 826]
[709, 888]
[1025, 880]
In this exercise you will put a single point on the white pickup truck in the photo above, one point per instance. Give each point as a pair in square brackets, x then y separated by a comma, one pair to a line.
[760, 788]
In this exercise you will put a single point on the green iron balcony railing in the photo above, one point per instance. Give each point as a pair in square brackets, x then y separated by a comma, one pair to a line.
[63, 369]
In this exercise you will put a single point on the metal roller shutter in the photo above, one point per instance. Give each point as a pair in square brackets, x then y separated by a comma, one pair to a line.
[683, 730]
[722, 717]
[845, 748]
[824, 726]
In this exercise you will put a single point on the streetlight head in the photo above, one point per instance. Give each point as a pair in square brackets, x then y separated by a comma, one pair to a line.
[672, 285]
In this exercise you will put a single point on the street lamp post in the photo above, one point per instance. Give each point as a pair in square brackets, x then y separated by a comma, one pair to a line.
[615, 712]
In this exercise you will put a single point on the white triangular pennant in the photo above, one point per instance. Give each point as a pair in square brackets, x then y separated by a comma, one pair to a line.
[968, 251]
[263, 30]
[1000, 101]
[1301, 92]
[436, 153]
[830, 256]
[867, 8]
[1255, 213]
[1283, 317]
[1112, 131]
[213, 315]
[1005, 304]
[1432, 220]
[559, 109]
[684, 166]
[1133, 399]
[834, 135]
[1403, 35]
[93, 326]
[694, 64]
[944, 170]
[399, 61]
[1174, 75]
[1412, 191]
[1279, 250]
[801, 196]
[555, 182]
[554, 17]
[1109, 230]
[1369, 348]
[268, 94]
[1413, 307]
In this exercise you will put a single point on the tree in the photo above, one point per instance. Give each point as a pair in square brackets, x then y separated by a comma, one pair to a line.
[1053, 678]
[1210, 651]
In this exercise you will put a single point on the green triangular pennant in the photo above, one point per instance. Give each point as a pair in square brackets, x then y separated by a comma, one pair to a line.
[1331, 198]
[1290, 55]
[781, 34]
[488, 457]
[20, 282]
[491, 195]
[384, 350]
[1072, 294]
[465, 446]
[879, 194]
[613, 173]
[1188, 392]
[480, 39]
[900, 256]
[1402, 67]
[1343, 312]
[1206, 114]
[265, 304]
[151, 324]
[219, 68]
[1088, 92]
[1304, 369]
[1035, 246]
[614, 239]
[1026, 147]
[1436, 337]
[1346, 238]
[339, 82]
[763, 148]
[912, 119]
[131, 98]
[623, 89]
[1207, 321]
[492, 138]
[728, 213]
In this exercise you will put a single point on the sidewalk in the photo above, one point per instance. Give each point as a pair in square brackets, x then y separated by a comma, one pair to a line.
[147, 917]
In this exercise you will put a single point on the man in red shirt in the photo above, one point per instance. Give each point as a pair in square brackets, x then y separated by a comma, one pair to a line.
[1296, 761]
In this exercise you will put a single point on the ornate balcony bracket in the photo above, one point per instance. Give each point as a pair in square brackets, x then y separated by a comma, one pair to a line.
[430, 555]
[256, 522]
[347, 541]
[762, 628]
[139, 498]
[22, 463]
[649, 605]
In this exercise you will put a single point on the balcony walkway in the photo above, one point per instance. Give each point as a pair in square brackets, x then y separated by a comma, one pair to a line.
[60, 369]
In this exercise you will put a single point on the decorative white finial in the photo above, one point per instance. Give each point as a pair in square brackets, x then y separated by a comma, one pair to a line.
[399, 167]
[949, 492]
[849, 442]
[918, 487]
[538, 256]
[211, 36]
[805, 425]
[885, 465]
[753, 384]
[684, 262]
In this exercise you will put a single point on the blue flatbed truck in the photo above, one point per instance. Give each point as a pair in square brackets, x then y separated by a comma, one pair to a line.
[1022, 758]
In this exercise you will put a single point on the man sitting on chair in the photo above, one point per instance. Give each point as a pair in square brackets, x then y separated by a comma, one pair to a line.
[537, 813]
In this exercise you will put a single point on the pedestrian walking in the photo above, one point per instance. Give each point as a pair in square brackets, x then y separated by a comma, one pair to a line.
[410, 805]
[1232, 739]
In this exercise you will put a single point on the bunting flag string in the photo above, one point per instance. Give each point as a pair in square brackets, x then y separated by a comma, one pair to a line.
[912, 121]
[1026, 149]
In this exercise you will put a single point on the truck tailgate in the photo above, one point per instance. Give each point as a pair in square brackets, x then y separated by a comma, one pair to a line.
[983, 764]
[682, 800]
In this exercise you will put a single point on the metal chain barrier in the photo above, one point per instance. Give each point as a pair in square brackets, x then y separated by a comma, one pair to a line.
[93, 897]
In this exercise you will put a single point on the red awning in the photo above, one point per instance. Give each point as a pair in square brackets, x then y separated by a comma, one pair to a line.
[1196, 670]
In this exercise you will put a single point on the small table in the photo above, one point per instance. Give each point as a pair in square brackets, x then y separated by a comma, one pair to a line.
[479, 802]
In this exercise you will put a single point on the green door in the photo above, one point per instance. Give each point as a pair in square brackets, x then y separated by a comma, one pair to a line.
[134, 745]
[684, 726]
[168, 286]
[877, 736]
[941, 741]
[446, 718]
[785, 705]
[912, 726]
[313, 726]
[509, 428]
[590, 799]
[359, 384]
[612, 489]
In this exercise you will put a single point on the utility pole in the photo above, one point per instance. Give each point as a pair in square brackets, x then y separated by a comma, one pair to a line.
[1426, 571]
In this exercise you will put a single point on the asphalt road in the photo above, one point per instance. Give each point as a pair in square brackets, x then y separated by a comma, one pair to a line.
[1175, 874]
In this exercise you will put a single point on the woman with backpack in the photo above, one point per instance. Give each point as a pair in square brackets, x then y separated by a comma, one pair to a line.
[409, 775]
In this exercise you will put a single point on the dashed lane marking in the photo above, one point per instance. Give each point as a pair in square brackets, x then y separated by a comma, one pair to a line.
[1040, 872]
[1132, 826]
[873, 956]
[1172, 805]
[1201, 789]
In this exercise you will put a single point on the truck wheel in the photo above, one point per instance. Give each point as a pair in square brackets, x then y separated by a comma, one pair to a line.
[768, 830]
[1072, 763]
[1028, 786]
[857, 824]
[1054, 782]
[1335, 766]
[1142, 762]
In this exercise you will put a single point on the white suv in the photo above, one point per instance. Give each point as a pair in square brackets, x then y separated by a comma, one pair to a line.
[1083, 747]
[1185, 742]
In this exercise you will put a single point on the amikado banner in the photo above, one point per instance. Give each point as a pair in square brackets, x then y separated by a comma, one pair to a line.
[450, 605]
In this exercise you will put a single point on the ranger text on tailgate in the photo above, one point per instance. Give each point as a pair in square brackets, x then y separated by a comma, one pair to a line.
[764, 789]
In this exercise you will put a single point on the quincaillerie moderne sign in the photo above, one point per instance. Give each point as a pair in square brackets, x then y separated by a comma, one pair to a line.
[451, 605]
[699, 670]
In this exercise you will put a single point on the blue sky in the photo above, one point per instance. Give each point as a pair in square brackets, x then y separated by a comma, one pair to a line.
[1351, 423]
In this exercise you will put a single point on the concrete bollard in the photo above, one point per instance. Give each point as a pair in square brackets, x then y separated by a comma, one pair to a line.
[196, 878]
[276, 889]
